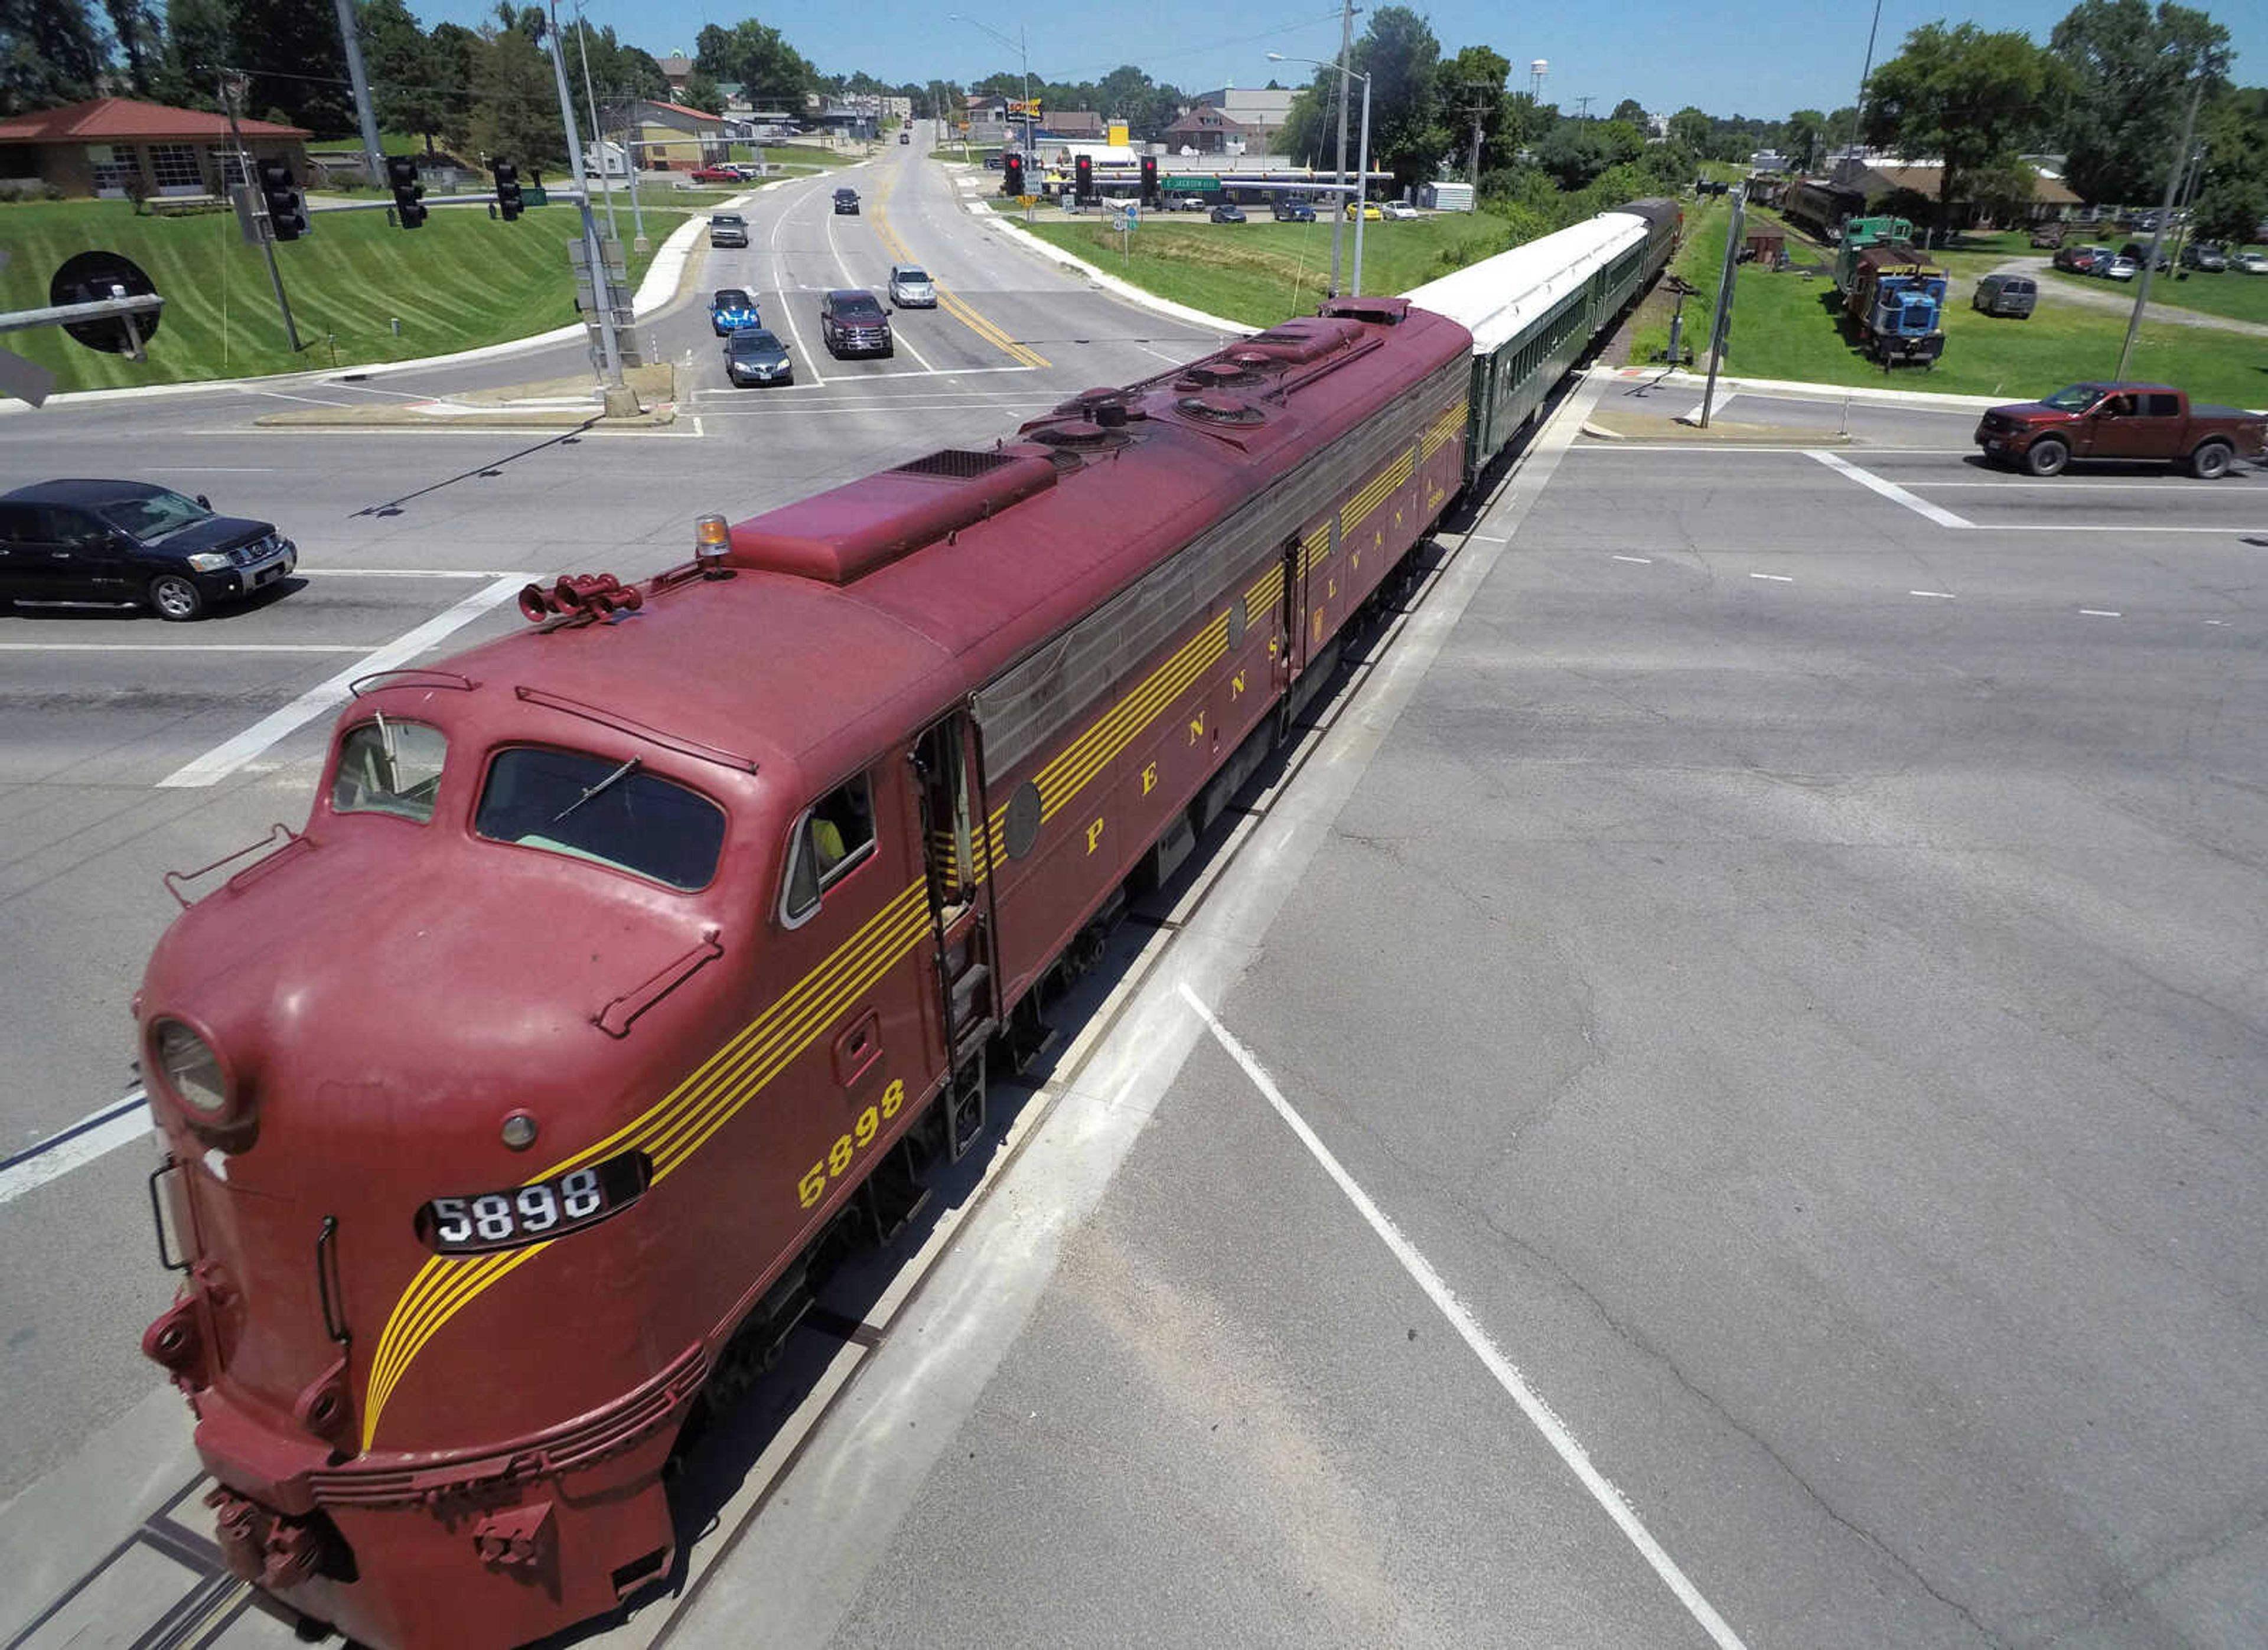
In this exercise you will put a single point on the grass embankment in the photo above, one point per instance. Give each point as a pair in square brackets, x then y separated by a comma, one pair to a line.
[1263, 272]
[2231, 294]
[791, 155]
[973, 154]
[459, 281]
[1787, 326]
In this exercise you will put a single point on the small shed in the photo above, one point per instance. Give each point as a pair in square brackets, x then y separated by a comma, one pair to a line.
[1766, 243]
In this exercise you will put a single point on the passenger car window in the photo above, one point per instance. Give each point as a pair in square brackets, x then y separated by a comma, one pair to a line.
[389, 767]
[834, 836]
[2161, 406]
[607, 812]
[156, 516]
[19, 523]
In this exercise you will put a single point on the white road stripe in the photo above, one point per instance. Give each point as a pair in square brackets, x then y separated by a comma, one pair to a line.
[1891, 491]
[2099, 527]
[184, 647]
[45, 1162]
[226, 757]
[1723, 401]
[2077, 484]
[410, 572]
[1941, 595]
[1539, 1413]
[1776, 579]
[1643, 561]
[2099, 612]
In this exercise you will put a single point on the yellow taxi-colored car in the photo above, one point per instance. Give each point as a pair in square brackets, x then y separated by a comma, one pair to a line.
[1368, 209]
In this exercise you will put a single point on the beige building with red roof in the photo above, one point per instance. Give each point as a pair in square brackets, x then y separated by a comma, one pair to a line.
[114, 147]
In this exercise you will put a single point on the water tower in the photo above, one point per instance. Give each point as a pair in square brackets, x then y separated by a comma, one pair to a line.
[1536, 70]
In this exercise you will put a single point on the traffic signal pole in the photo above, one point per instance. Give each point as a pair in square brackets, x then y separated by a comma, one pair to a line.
[373, 156]
[619, 401]
[232, 93]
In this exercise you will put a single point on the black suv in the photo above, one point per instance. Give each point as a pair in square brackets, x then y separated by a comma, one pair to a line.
[852, 322]
[846, 202]
[133, 542]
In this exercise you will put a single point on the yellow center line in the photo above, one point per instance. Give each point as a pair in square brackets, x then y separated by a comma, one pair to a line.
[951, 302]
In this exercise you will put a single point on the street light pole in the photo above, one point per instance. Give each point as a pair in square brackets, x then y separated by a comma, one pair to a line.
[1362, 186]
[2165, 215]
[597, 126]
[1023, 58]
[1346, 55]
[619, 402]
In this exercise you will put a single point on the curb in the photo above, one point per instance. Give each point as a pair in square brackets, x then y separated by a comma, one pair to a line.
[1107, 281]
[1599, 432]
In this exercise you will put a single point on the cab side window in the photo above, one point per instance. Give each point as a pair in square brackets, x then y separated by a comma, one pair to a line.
[389, 767]
[2161, 406]
[835, 834]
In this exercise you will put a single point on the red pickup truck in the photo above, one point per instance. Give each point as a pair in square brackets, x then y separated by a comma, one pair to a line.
[2150, 422]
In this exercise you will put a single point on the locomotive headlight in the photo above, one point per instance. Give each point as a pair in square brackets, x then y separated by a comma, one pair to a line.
[189, 1068]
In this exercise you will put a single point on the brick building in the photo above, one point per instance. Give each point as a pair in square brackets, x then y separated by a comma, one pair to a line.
[113, 147]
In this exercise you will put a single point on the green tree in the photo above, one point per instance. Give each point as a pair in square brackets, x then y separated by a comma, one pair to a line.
[50, 53]
[767, 69]
[1964, 96]
[1630, 112]
[1574, 152]
[297, 63]
[408, 91]
[2130, 67]
[199, 42]
[1804, 139]
[1400, 55]
[133, 23]
[1691, 128]
[515, 99]
[457, 52]
[1475, 76]
[699, 92]
[2232, 195]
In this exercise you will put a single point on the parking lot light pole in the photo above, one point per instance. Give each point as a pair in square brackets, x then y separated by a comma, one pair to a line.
[1360, 197]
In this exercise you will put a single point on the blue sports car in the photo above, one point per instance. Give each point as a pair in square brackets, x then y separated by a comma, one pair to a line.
[732, 309]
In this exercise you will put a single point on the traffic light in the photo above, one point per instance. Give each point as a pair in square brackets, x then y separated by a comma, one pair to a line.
[1012, 176]
[287, 208]
[401, 174]
[1149, 180]
[507, 183]
[1083, 179]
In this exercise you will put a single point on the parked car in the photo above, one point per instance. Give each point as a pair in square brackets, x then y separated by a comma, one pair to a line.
[2137, 253]
[2204, 255]
[731, 308]
[754, 356]
[2115, 269]
[727, 229]
[1396, 209]
[853, 322]
[2080, 260]
[134, 544]
[993, 162]
[846, 202]
[1227, 212]
[1367, 210]
[2153, 423]
[2250, 264]
[911, 287]
[1293, 212]
[905, 137]
[716, 174]
[2047, 235]
[2013, 295]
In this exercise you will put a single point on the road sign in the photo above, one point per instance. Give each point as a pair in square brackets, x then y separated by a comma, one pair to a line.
[92, 275]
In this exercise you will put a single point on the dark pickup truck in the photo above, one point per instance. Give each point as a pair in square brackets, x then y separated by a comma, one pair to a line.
[2133, 422]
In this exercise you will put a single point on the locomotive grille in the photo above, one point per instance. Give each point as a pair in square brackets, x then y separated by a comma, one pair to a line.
[954, 464]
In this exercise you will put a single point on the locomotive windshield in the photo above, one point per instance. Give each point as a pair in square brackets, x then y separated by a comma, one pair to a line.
[610, 813]
[389, 766]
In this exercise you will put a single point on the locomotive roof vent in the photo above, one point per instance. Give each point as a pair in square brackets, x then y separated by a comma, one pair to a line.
[1085, 432]
[1220, 410]
[954, 464]
[1297, 342]
[1380, 312]
[1215, 375]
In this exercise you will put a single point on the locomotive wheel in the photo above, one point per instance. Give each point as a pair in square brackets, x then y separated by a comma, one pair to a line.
[2210, 462]
[2047, 458]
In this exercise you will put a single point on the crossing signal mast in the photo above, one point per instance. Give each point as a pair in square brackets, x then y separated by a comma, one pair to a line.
[401, 174]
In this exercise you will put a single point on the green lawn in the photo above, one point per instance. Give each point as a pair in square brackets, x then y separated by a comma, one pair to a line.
[2231, 294]
[1786, 326]
[1723, 171]
[461, 280]
[971, 152]
[1263, 272]
[791, 155]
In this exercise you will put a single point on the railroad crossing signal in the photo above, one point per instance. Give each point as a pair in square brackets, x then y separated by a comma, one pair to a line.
[287, 207]
[507, 186]
[401, 174]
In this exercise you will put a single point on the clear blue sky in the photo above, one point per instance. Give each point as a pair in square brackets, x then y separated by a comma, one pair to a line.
[1757, 57]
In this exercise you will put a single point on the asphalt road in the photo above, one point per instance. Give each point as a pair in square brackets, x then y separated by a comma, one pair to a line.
[1767, 965]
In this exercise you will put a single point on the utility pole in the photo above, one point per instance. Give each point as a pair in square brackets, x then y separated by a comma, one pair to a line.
[1583, 105]
[1858, 107]
[598, 125]
[2174, 176]
[1479, 108]
[373, 156]
[1338, 219]
[1724, 300]
[232, 93]
[619, 401]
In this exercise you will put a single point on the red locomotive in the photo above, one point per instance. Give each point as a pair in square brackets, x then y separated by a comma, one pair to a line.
[624, 962]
